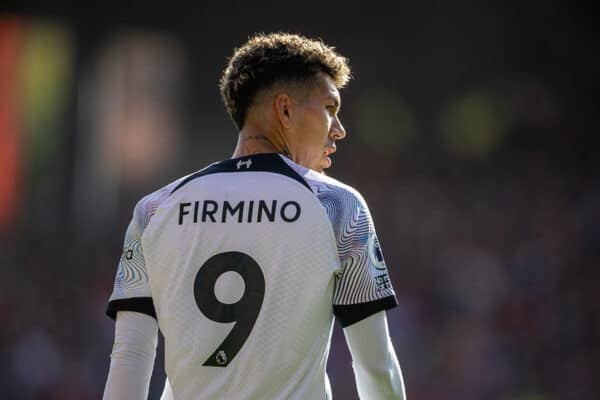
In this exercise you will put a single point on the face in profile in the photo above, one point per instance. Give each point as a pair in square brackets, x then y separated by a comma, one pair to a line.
[316, 125]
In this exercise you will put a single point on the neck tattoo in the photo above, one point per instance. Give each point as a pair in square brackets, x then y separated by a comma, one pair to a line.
[261, 137]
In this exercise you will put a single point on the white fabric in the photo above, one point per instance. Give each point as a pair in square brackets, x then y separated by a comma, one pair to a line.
[376, 368]
[167, 393]
[328, 255]
[363, 276]
[132, 358]
[285, 354]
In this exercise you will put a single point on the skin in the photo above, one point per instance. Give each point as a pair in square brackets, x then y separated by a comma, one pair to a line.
[302, 123]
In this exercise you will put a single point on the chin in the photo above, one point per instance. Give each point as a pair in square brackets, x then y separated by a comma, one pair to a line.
[321, 165]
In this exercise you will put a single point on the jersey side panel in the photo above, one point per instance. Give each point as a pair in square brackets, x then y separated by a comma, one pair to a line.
[131, 290]
[363, 286]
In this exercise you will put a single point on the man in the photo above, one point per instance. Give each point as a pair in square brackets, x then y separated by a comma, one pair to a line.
[245, 263]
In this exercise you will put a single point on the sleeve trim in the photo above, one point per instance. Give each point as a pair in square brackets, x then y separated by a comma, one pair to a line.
[349, 314]
[142, 305]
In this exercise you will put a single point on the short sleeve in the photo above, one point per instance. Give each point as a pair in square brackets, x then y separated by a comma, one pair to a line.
[363, 285]
[131, 291]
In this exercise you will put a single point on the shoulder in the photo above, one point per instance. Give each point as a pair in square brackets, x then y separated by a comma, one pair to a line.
[345, 206]
[148, 204]
[343, 203]
[329, 189]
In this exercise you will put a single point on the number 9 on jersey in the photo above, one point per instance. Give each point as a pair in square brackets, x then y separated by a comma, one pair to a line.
[244, 312]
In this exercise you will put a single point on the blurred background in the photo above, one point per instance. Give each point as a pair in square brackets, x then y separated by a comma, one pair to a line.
[470, 134]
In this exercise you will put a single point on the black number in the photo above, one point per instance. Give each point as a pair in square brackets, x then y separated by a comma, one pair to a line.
[244, 312]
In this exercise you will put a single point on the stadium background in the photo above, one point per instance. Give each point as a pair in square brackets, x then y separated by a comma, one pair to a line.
[470, 133]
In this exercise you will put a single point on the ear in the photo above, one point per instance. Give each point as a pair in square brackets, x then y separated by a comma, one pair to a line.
[283, 105]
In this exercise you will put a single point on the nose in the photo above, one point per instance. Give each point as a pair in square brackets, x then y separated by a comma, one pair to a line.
[337, 130]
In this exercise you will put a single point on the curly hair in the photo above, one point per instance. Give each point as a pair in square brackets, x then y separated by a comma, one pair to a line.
[268, 59]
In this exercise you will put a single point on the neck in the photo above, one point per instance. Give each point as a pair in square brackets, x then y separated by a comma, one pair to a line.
[254, 141]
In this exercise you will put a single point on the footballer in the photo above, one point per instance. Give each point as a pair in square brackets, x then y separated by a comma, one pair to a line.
[245, 264]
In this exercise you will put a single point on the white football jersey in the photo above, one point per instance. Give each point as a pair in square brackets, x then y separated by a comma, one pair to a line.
[244, 265]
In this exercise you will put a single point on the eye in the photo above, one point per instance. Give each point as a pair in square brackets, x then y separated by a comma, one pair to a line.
[332, 109]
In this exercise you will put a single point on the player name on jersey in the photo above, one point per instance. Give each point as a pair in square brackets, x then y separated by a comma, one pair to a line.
[244, 211]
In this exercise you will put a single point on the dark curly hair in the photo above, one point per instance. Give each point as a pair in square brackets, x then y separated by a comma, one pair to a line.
[267, 59]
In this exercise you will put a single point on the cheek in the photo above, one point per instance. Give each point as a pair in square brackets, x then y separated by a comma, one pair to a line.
[318, 128]
[315, 128]
[325, 123]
